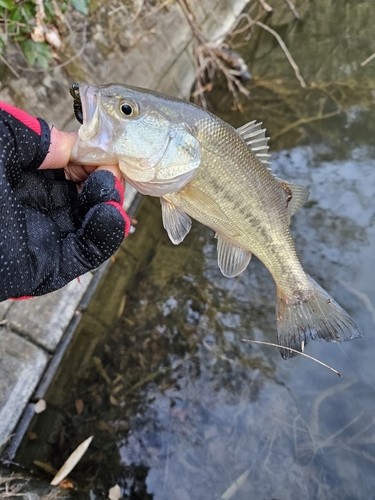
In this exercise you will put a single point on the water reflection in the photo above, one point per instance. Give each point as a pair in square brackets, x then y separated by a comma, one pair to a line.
[181, 408]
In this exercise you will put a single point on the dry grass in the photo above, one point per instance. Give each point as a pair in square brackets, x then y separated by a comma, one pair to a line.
[12, 486]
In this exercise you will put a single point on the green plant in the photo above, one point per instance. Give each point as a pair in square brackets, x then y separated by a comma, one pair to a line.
[19, 20]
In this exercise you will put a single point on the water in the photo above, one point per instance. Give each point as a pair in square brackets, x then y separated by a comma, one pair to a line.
[181, 408]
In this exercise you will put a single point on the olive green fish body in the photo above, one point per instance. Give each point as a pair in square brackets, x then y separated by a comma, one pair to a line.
[252, 200]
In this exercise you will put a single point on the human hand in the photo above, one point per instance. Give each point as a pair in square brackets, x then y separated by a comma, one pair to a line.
[49, 232]
[59, 156]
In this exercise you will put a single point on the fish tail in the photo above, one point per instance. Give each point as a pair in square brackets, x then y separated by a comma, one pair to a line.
[318, 318]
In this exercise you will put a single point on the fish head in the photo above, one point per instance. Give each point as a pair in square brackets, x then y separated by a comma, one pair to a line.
[143, 132]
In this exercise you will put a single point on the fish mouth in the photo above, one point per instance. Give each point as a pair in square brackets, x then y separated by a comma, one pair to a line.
[86, 108]
[94, 144]
[89, 105]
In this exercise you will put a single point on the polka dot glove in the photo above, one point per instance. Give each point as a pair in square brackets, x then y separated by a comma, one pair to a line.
[50, 234]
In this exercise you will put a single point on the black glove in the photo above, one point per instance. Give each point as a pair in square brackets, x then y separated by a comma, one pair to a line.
[50, 234]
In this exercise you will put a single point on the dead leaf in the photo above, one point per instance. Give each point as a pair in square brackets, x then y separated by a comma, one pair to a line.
[114, 493]
[66, 483]
[234, 487]
[72, 461]
[113, 400]
[79, 406]
[37, 34]
[52, 37]
[40, 406]
[47, 467]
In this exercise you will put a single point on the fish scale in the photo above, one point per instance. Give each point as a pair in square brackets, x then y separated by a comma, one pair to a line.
[202, 168]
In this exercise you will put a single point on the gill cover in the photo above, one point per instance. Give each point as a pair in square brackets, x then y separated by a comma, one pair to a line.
[156, 156]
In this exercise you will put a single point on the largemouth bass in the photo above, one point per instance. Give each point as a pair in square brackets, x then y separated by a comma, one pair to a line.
[203, 168]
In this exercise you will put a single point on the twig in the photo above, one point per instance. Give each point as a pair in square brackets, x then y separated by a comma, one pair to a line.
[9, 66]
[6, 440]
[286, 51]
[40, 13]
[212, 56]
[303, 121]
[136, 14]
[234, 487]
[234, 31]
[368, 60]
[265, 6]
[293, 9]
[77, 54]
[294, 350]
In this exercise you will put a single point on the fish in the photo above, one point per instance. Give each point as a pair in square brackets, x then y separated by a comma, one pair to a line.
[202, 168]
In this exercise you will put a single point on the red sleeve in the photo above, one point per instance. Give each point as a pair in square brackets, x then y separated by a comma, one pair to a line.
[24, 138]
[28, 120]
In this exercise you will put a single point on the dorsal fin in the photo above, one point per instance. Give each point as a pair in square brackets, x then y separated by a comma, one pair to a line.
[256, 140]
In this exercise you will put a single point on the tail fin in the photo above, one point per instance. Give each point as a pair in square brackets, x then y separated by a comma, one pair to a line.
[318, 318]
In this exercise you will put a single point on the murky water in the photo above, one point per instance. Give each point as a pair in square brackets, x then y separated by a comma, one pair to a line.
[180, 406]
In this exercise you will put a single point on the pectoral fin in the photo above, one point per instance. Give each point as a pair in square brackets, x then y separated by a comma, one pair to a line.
[296, 195]
[232, 259]
[203, 202]
[176, 223]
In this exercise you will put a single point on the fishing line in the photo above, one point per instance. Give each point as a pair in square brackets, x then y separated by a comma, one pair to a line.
[279, 346]
[357, 369]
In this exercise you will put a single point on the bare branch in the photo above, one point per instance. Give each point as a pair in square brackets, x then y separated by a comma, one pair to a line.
[286, 51]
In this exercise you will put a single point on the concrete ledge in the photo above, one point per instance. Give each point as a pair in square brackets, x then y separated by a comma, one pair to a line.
[44, 319]
[21, 366]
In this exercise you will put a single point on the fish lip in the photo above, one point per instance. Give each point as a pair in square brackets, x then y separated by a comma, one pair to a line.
[83, 94]
[90, 104]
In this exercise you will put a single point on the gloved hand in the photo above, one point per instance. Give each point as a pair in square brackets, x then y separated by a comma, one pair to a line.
[50, 233]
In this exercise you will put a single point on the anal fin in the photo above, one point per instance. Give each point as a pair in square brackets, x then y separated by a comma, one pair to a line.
[232, 259]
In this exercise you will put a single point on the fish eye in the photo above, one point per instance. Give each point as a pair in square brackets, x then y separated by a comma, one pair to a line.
[128, 108]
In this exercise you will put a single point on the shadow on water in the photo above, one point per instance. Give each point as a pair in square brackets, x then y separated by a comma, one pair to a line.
[181, 408]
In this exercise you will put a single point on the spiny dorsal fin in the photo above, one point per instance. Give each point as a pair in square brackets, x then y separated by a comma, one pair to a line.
[256, 140]
[232, 259]
[176, 223]
[299, 195]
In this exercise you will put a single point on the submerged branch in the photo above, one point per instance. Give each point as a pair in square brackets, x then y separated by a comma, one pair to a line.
[293, 9]
[363, 63]
[286, 51]
[303, 121]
